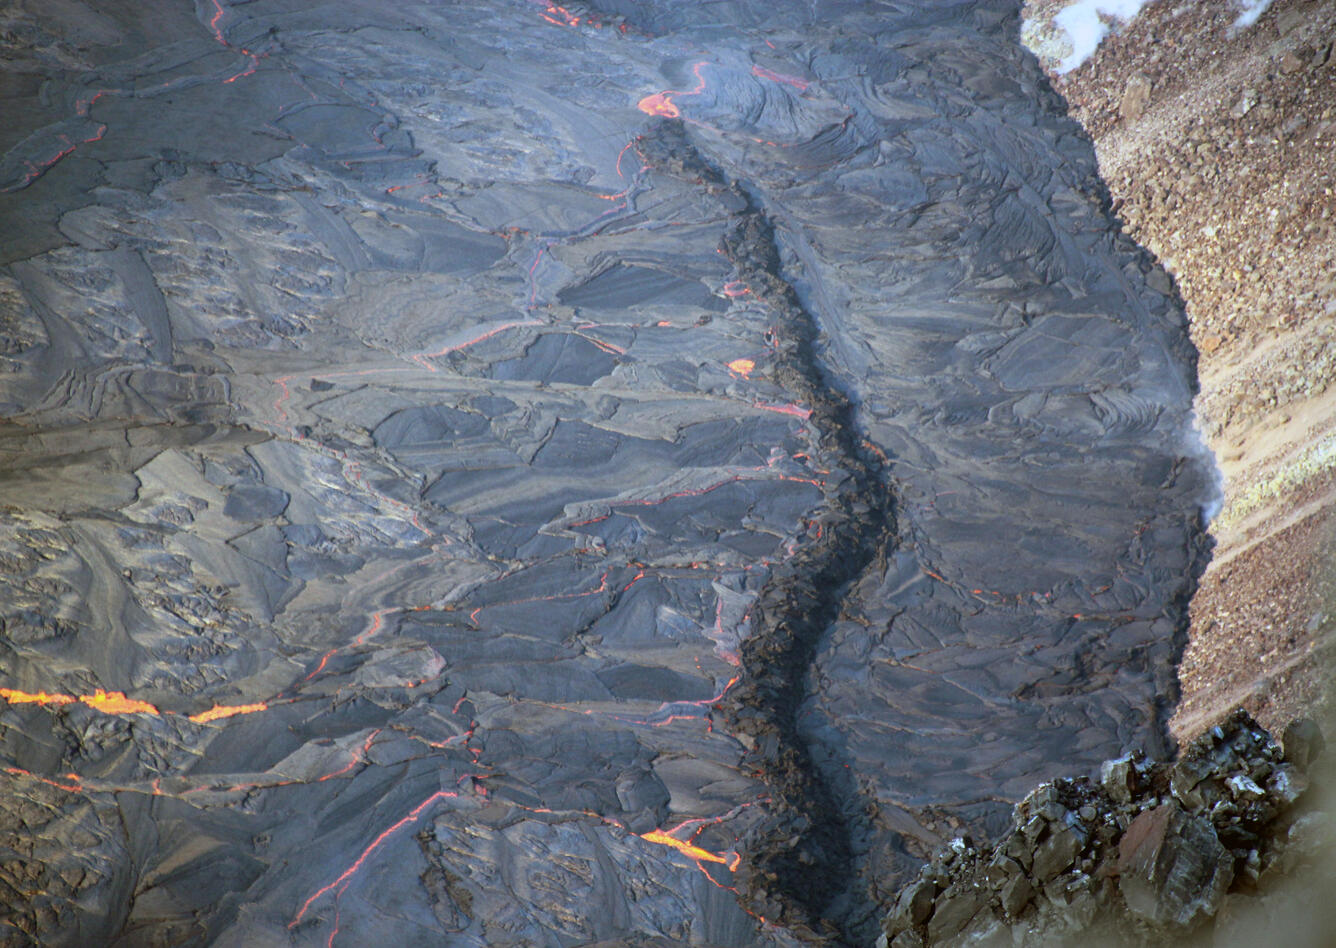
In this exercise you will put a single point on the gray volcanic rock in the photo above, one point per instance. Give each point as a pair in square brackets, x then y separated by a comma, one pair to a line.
[518, 474]
[1173, 869]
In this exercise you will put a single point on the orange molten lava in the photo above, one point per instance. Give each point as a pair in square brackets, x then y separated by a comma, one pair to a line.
[227, 711]
[661, 104]
[695, 853]
[742, 367]
[115, 702]
[790, 409]
[559, 16]
[347, 874]
[40, 697]
[799, 84]
[108, 702]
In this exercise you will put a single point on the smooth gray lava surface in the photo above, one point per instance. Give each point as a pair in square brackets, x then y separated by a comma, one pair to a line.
[397, 438]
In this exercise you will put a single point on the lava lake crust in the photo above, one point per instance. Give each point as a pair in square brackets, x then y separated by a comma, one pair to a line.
[513, 474]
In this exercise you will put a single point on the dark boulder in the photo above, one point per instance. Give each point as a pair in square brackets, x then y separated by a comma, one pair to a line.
[1148, 855]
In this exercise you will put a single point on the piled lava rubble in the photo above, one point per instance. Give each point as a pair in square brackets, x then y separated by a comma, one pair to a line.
[1144, 855]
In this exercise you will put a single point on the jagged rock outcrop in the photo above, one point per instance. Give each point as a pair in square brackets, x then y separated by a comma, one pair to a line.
[1144, 855]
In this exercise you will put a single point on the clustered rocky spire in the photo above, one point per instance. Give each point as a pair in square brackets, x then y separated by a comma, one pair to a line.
[1144, 855]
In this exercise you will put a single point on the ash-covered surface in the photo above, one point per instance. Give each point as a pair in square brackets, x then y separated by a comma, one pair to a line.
[502, 473]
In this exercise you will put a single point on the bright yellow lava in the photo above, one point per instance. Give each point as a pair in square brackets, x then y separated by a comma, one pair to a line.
[742, 367]
[108, 702]
[39, 697]
[686, 849]
[227, 711]
[659, 104]
[115, 702]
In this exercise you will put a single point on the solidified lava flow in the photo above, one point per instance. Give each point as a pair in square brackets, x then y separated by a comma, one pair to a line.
[509, 473]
